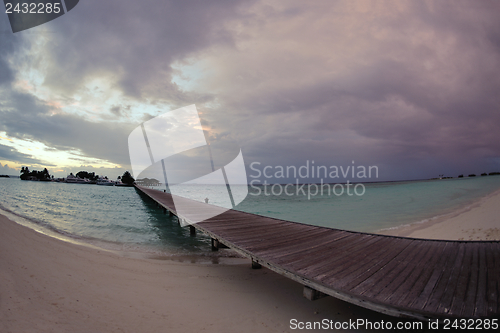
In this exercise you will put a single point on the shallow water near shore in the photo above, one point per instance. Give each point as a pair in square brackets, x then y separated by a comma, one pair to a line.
[119, 219]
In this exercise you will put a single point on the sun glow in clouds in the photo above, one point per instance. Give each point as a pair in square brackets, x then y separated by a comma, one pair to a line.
[49, 157]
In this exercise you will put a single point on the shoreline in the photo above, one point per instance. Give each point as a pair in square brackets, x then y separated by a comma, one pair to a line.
[479, 220]
[119, 248]
[49, 285]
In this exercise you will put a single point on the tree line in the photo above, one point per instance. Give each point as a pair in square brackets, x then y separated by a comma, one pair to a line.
[26, 174]
[44, 175]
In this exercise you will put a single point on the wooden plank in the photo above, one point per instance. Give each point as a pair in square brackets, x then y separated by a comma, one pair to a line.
[286, 254]
[496, 255]
[411, 284]
[311, 255]
[468, 304]
[242, 232]
[225, 219]
[300, 240]
[339, 264]
[405, 268]
[229, 226]
[446, 282]
[493, 276]
[481, 303]
[247, 235]
[223, 222]
[397, 246]
[457, 286]
[373, 285]
[420, 292]
[270, 240]
[453, 296]
[332, 241]
[333, 251]
[255, 235]
[373, 260]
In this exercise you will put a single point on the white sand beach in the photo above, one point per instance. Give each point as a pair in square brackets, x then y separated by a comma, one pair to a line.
[49, 285]
[478, 221]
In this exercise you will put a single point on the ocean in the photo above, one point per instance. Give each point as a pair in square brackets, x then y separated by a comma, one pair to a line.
[119, 219]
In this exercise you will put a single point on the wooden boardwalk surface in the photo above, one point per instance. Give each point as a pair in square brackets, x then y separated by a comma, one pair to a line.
[403, 277]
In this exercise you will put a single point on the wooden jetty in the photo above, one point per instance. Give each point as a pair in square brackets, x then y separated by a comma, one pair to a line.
[398, 276]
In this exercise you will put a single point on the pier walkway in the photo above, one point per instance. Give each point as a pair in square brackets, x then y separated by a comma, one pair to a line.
[403, 277]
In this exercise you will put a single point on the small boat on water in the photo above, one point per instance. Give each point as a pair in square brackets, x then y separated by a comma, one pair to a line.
[75, 180]
[105, 181]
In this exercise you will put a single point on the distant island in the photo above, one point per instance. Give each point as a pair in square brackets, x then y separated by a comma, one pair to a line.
[82, 177]
[4, 176]
[472, 175]
[44, 175]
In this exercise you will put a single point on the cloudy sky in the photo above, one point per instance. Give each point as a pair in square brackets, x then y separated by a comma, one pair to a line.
[409, 86]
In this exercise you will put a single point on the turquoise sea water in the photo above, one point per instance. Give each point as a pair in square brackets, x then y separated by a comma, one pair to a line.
[118, 218]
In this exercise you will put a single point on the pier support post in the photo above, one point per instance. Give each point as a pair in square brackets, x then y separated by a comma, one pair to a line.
[256, 265]
[215, 244]
[192, 230]
[312, 294]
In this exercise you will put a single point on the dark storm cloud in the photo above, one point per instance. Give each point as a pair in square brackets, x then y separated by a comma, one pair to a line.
[7, 48]
[135, 43]
[415, 87]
